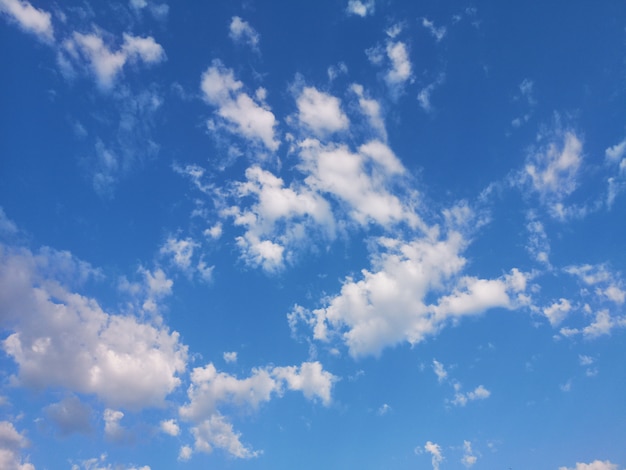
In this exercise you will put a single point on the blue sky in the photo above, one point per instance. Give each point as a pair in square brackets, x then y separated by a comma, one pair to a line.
[335, 234]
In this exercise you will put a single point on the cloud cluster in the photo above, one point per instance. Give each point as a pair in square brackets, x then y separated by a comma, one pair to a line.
[211, 390]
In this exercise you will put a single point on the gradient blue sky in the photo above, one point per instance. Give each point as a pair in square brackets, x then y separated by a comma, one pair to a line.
[373, 234]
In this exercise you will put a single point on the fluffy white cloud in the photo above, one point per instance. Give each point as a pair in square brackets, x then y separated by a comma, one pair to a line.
[388, 304]
[181, 251]
[557, 312]
[616, 153]
[105, 63]
[230, 357]
[210, 390]
[170, 427]
[242, 114]
[30, 19]
[279, 218]
[63, 339]
[595, 465]
[113, 429]
[11, 444]
[320, 112]
[360, 8]
[461, 399]
[359, 180]
[241, 32]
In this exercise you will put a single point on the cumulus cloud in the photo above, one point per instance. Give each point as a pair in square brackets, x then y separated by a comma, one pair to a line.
[11, 444]
[279, 218]
[30, 19]
[180, 251]
[557, 312]
[358, 180]
[63, 339]
[616, 153]
[230, 357]
[360, 8]
[104, 62]
[170, 427]
[388, 305]
[461, 399]
[595, 465]
[113, 428]
[320, 112]
[210, 390]
[241, 114]
[241, 32]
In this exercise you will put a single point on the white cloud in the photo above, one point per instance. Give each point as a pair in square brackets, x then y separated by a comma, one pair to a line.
[107, 64]
[30, 19]
[595, 465]
[538, 244]
[360, 8]
[601, 325]
[181, 251]
[242, 114]
[383, 410]
[100, 463]
[185, 453]
[401, 69]
[423, 97]
[437, 32]
[388, 305]
[469, 458]
[585, 360]
[63, 339]
[241, 32]
[216, 432]
[113, 430]
[557, 312]
[439, 370]
[359, 180]
[461, 399]
[279, 219]
[553, 169]
[7, 226]
[157, 10]
[11, 444]
[616, 153]
[320, 112]
[170, 427]
[230, 357]
[210, 389]
[372, 110]
[437, 455]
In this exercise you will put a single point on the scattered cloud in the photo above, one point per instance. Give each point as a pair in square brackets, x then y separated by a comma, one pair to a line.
[461, 399]
[557, 312]
[437, 32]
[595, 465]
[360, 8]
[241, 32]
[320, 112]
[230, 357]
[435, 451]
[170, 427]
[423, 97]
[440, 371]
[28, 18]
[106, 64]
[401, 69]
[469, 459]
[11, 444]
[240, 113]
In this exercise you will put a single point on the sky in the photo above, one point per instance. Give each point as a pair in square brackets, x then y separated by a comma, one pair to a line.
[373, 234]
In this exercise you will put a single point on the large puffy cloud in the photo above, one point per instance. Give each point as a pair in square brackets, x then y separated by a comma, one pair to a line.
[210, 390]
[30, 19]
[11, 444]
[251, 119]
[63, 339]
[105, 63]
[389, 303]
